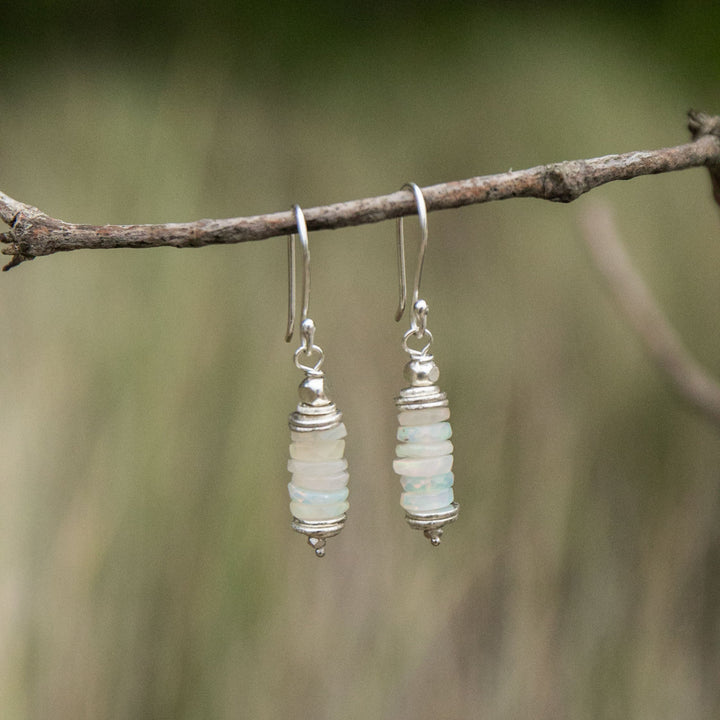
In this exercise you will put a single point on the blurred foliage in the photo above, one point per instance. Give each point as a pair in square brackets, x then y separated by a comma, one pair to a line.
[282, 40]
[147, 569]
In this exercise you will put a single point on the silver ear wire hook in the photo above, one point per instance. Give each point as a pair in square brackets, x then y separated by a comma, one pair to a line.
[302, 234]
[307, 326]
[422, 217]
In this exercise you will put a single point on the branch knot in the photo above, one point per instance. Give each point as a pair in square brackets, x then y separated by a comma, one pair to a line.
[22, 233]
[565, 181]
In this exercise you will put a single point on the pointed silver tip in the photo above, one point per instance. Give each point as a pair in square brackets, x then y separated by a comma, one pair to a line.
[317, 544]
[434, 535]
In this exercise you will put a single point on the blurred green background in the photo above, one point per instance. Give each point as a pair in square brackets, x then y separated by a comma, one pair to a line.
[147, 567]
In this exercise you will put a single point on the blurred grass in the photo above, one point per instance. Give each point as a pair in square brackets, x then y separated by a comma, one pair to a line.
[147, 565]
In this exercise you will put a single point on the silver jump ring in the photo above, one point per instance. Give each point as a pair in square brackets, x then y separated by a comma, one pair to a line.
[411, 351]
[309, 350]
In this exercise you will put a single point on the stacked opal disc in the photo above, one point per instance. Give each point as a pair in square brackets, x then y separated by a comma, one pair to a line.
[424, 460]
[318, 489]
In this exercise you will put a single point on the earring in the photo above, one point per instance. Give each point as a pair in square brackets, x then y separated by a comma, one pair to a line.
[424, 452]
[318, 488]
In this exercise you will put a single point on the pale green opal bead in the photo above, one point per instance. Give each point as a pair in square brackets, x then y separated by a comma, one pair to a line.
[427, 416]
[325, 450]
[427, 484]
[336, 433]
[424, 433]
[321, 482]
[310, 467]
[426, 502]
[423, 467]
[305, 511]
[316, 497]
[428, 449]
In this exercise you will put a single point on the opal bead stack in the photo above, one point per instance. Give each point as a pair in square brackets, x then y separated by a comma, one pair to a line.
[318, 486]
[424, 451]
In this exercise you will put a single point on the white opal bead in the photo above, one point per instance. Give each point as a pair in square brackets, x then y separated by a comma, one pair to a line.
[427, 484]
[324, 450]
[305, 511]
[427, 416]
[426, 502]
[428, 449]
[310, 467]
[316, 497]
[336, 433]
[321, 482]
[445, 510]
[423, 467]
[424, 433]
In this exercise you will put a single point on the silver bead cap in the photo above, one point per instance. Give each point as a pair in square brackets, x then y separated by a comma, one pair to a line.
[432, 523]
[308, 418]
[318, 531]
[421, 398]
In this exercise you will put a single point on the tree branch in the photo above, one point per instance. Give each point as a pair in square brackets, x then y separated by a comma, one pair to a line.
[687, 377]
[33, 233]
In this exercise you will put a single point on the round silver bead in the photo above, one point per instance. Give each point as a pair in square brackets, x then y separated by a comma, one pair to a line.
[422, 371]
[312, 391]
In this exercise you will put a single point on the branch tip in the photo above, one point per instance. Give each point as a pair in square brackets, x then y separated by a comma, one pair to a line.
[16, 260]
[701, 124]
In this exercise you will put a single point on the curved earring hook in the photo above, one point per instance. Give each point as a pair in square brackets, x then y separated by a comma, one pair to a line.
[422, 217]
[302, 234]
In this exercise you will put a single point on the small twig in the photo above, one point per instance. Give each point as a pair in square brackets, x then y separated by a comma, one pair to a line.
[701, 124]
[33, 233]
[688, 378]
